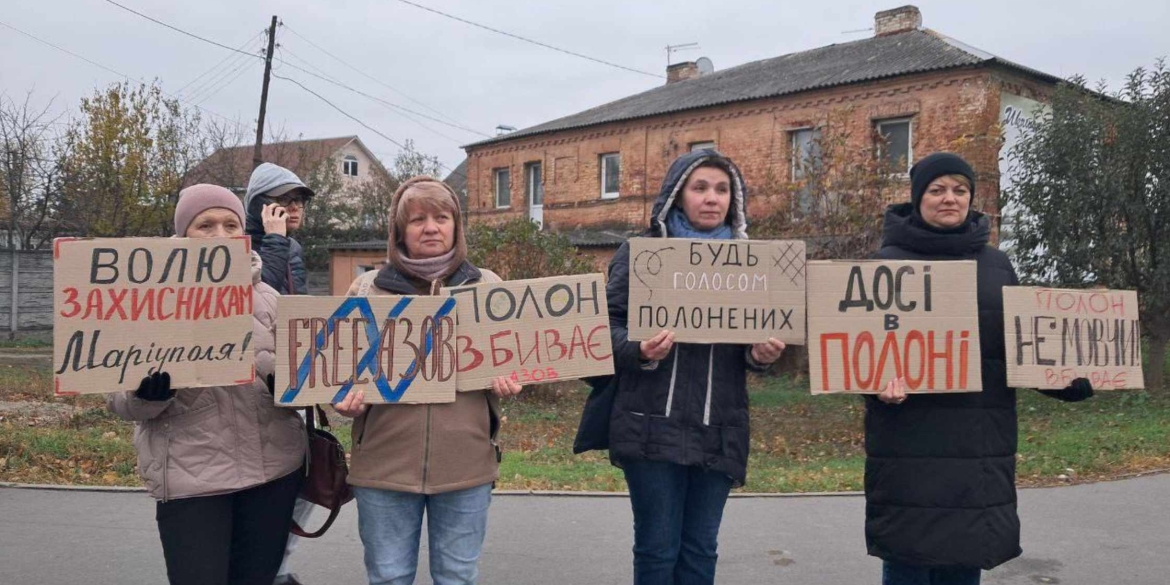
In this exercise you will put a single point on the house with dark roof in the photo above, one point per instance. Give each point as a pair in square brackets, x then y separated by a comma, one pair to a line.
[594, 175]
[345, 156]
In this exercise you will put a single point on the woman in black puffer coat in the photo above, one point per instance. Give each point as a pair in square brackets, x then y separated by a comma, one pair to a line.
[940, 469]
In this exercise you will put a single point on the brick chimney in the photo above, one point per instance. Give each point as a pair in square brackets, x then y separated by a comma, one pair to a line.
[681, 71]
[897, 20]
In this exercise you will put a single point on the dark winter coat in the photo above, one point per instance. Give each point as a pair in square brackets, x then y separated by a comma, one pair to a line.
[695, 398]
[940, 470]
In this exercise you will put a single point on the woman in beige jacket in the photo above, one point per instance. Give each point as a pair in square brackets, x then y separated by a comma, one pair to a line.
[224, 463]
[440, 458]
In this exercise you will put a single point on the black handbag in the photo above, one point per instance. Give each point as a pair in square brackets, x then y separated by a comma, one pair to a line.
[593, 430]
[325, 477]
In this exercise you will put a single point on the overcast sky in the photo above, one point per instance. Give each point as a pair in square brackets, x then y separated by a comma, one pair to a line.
[480, 79]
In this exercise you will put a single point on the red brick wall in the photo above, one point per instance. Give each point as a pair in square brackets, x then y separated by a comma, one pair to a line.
[954, 110]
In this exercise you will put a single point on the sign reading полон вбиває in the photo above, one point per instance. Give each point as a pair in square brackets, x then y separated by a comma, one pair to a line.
[717, 291]
[532, 331]
[870, 321]
[127, 307]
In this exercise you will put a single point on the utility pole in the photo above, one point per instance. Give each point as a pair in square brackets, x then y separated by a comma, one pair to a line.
[256, 158]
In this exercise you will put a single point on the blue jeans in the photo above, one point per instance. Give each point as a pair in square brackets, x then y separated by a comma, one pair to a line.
[899, 574]
[677, 511]
[390, 524]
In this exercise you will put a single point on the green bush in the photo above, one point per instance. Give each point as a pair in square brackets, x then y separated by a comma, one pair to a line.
[519, 249]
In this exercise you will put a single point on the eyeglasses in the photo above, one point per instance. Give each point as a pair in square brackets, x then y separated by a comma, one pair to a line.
[289, 201]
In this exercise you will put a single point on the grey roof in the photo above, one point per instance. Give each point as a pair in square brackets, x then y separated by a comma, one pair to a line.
[870, 59]
[457, 180]
[367, 245]
[584, 238]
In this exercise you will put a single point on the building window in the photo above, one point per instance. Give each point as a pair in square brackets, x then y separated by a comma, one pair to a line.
[503, 188]
[806, 151]
[534, 184]
[710, 145]
[349, 166]
[611, 171]
[894, 146]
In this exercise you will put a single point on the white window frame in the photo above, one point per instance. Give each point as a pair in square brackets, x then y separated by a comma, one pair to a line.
[703, 144]
[794, 149]
[346, 164]
[909, 142]
[601, 160]
[496, 186]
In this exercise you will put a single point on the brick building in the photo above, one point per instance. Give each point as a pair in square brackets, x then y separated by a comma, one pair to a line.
[594, 175]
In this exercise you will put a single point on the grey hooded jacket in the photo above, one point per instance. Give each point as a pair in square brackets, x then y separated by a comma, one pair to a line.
[284, 261]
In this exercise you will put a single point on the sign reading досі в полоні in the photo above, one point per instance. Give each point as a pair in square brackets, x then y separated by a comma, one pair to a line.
[871, 321]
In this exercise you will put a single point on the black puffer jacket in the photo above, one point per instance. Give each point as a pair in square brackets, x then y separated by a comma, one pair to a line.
[940, 470]
[696, 397]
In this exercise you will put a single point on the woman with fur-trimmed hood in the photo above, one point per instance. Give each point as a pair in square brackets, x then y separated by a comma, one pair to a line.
[679, 427]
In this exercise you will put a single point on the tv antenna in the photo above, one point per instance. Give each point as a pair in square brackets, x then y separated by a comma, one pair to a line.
[671, 49]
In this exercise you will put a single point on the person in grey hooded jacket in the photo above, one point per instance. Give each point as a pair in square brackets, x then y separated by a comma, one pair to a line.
[275, 203]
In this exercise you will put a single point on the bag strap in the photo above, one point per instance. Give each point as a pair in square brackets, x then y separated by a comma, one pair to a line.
[297, 530]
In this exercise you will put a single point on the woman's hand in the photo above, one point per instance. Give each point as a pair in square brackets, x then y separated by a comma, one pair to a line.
[895, 392]
[504, 387]
[155, 388]
[275, 219]
[768, 352]
[352, 406]
[657, 347]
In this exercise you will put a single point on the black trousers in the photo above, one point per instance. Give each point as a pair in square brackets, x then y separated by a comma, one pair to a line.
[230, 539]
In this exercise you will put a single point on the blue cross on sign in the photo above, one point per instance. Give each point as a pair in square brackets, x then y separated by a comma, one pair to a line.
[369, 360]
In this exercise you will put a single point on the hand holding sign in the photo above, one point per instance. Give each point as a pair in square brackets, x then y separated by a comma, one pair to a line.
[895, 392]
[352, 406]
[768, 352]
[657, 347]
[505, 387]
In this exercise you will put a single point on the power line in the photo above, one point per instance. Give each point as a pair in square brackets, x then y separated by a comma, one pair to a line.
[243, 68]
[380, 100]
[528, 40]
[216, 66]
[179, 30]
[386, 105]
[354, 118]
[115, 72]
[367, 75]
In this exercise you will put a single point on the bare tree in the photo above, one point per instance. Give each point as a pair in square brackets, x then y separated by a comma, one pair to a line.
[29, 172]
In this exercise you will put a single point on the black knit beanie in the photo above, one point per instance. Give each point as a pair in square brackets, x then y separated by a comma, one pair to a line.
[933, 167]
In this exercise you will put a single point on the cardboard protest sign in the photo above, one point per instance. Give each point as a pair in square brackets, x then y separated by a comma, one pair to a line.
[533, 331]
[1056, 335]
[872, 321]
[398, 349]
[126, 307]
[717, 291]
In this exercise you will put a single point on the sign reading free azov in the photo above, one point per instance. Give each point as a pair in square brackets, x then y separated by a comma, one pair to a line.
[717, 291]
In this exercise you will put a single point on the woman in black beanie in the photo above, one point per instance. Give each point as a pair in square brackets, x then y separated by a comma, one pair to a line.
[940, 469]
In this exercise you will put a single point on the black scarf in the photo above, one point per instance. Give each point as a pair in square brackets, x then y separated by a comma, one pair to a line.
[904, 228]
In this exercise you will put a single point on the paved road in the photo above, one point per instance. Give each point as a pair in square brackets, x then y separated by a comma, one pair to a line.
[1110, 533]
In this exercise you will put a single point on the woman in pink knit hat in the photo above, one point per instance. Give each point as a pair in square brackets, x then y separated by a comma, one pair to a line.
[223, 462]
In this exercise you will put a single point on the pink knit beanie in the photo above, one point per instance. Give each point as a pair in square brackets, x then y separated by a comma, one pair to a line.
[199, 198]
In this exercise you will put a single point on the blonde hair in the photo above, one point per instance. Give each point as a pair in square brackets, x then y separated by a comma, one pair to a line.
[961, 179]
[429, 197]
